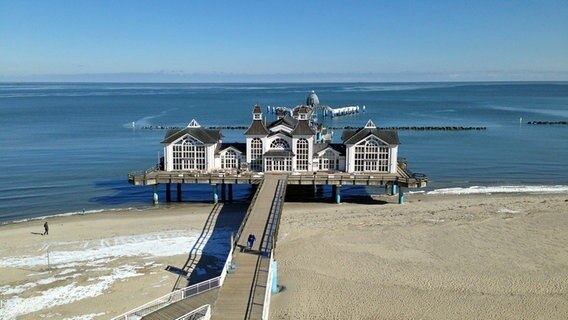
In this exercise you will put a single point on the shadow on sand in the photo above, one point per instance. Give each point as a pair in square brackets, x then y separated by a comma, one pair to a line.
[208, 255]
[323, 194]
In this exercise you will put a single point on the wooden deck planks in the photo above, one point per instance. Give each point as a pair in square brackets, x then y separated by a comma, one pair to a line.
[180, 308]
[242, 294]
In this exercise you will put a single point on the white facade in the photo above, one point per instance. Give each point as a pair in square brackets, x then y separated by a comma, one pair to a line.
[287, 144]
[187, 153]
[371, 155]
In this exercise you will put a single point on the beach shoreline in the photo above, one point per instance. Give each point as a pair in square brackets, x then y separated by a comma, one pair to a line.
[475, 256]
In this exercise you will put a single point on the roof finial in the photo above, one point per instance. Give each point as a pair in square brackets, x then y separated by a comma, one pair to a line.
[370, 124]
[193, 124]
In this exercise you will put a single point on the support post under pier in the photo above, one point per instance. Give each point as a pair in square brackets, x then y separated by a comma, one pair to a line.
[400, 196]
[215, 195]
[274, 277]
[336, 191]
[179, 192]
[168, 192]
[155, 194]
[223, 192]
[230, 193]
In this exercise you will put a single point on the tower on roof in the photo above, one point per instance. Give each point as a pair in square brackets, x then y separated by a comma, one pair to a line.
[370, 124]
[257, 113]
[302, 113]
[312, 100]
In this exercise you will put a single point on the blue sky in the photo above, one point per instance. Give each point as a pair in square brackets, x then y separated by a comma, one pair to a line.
[283, 40]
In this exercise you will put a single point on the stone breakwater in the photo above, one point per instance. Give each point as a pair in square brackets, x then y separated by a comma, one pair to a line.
[405, 128]
[548, 122]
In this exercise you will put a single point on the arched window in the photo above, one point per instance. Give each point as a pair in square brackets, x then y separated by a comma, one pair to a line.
[188, 154]
[229, 160]
[302, 147]
[280, 144]
[256, 154]
[328, 161]
[371, 155]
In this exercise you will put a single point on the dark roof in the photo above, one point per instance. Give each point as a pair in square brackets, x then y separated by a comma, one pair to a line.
[303, 129]
[350, 136]
[339, 147]
[202, 134]
[301, 109]
[241, 146]
[278, 153]
[286, 120]
[257, 128]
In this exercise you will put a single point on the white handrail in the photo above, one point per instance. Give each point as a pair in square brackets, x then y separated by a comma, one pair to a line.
[170, 298]
[268, 292]
[178, 295]
[227, 263]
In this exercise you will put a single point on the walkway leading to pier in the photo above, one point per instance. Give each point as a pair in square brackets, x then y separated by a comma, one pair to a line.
[243, 293]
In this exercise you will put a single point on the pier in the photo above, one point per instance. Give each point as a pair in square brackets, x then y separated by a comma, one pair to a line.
[290, 151]
[249, 278]
[245, 292]
[403, 178]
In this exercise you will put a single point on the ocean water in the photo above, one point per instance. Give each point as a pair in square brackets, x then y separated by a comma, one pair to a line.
[68, 147]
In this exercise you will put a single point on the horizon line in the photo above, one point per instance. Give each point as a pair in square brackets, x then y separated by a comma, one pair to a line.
[321, 77]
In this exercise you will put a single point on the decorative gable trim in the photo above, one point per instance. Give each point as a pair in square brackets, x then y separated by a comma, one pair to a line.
[193, 124]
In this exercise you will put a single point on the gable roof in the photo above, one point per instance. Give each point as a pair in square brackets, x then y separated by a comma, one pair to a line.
[240, 146]
[339, 147]
[303, 129]
[286, 121]
[204, 135]
[257, 127]
[350, 136]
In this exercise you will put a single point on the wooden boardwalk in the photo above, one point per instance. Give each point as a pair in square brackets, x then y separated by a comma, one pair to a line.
[242, 294]
[180, 308]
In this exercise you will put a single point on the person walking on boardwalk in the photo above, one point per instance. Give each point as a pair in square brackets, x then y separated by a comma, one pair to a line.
[46, 228]
[251, 240]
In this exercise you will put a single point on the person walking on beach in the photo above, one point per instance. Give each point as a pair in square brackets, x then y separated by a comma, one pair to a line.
[251, 240]
[46, 228]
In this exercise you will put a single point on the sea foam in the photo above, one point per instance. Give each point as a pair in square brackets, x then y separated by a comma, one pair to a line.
[500, 189]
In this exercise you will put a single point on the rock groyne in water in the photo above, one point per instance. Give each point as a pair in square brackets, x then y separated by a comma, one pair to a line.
[403, 128]
[548, 122]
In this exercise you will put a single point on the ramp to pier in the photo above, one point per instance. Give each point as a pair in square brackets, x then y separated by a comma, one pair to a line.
[243, 292]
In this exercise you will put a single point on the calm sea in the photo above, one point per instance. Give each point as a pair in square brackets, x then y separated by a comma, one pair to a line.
[68, 147]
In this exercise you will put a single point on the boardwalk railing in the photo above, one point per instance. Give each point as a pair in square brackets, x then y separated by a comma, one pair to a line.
[268, 292]
[178, 295]
[247, 214]
[201, 313]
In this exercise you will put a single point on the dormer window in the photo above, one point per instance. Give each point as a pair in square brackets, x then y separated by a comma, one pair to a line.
[257, 116]
[303, 116]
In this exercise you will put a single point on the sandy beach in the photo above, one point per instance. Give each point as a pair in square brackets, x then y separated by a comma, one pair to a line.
[500, 256]
[435, 257]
